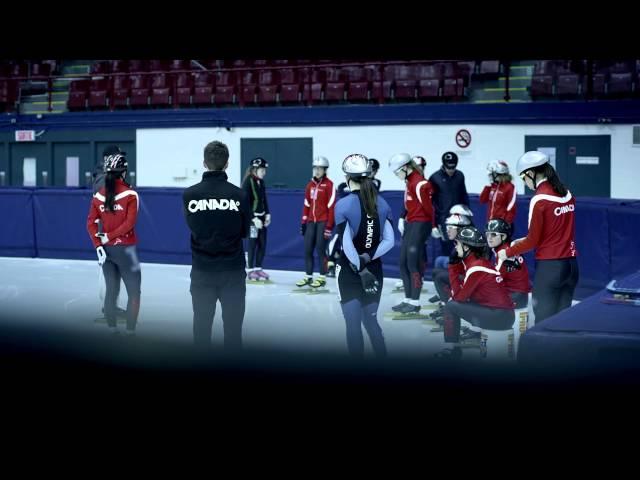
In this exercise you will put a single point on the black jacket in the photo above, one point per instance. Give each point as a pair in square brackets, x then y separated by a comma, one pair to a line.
[256, 192]
[218, 215]
[447, 192]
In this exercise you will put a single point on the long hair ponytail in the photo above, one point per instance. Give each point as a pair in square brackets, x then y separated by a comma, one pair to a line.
[110, 190]
[248, 173]
[552, 177]
[369, 195]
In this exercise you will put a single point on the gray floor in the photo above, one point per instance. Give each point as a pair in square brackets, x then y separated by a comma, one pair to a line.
[67, 292]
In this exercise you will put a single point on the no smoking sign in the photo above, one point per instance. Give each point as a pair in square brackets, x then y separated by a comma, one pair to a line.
[463, 138]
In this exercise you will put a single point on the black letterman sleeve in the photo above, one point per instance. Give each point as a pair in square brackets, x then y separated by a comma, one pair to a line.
[246, 213]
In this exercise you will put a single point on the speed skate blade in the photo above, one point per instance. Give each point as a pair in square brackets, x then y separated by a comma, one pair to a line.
[318, 291]
[103, 320]
[260, 282]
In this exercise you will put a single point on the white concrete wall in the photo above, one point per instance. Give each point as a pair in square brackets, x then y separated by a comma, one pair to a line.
[164, 155]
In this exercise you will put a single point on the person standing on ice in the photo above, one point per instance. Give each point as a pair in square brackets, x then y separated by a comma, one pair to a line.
[317, 222]
[552, 233]
[256, 191]
[365, 226]
[115, 206]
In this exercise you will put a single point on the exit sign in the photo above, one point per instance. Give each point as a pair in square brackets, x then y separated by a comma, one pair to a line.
[25, 135]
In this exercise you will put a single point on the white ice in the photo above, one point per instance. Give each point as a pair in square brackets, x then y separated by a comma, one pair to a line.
[67, 292]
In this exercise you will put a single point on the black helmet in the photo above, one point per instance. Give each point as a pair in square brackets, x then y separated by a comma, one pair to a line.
[498, 225]
[450, 160]
[114, 159]
[472, 237]
[259, 162]
[375, 164]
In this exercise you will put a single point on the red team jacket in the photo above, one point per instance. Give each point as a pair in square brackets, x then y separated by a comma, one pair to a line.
[501, 198]
[518, 280]
[319, 202]
[417, 199]
[551, 226]
[119, 224]
[482, 284]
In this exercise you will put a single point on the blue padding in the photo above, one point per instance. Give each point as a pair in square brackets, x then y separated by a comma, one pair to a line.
[582, 332]
[17, 235]
[51, 222]
[624, 232]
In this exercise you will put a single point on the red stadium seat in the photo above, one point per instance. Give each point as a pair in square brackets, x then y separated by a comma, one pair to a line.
[225, 89]
[268, 81]
[160, 91]
[120, 91]
[139, 91]
[78, 92]
[405, 82]
[541, 86]
[203, 88]
[183, 89]
[98, 92]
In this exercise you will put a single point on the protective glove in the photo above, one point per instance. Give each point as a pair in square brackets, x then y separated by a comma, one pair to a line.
[512, 264]
[369, 282]
[267, 220]
[327, 233]
[401, 226]
[303, 229]
[104, 238]
[490, 178]
[102, 255]
[257, 222]
[435, 232]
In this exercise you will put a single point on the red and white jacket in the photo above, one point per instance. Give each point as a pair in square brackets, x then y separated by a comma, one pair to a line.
[482, 283]
[552, 227]
[417, 199]
[517, 280]
[501, 198]
[319, 202]
[119, 224]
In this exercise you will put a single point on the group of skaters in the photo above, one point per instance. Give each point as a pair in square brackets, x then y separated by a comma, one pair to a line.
[480, 276]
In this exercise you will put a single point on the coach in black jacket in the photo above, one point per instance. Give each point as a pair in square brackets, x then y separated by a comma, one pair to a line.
[218, 215]
[449, 189]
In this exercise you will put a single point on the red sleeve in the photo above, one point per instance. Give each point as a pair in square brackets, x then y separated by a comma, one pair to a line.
[510, 214]
[468, 288]
[455, 271]
[426, 194]
[331, 205]
[307, 204]
[129, 221]
[484, 195]
[534, 236]
[92, 226]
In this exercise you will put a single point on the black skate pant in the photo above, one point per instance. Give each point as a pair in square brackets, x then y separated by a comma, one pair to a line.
[475, 314]
[314, 239]
[122, 263]
[553, 286]
[412, 257]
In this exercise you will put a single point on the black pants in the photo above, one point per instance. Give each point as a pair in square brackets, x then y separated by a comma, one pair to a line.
[520, 299]
[314, 239]
[257, 248]
[122, 263]
[553, 286]
[475, 314]
[442, 284]
[206, 289]
[412, 257]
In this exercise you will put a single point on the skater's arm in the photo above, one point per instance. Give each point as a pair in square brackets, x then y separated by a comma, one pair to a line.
[388, 239]
[534, 236]
[92, 225]
[348, 247]
[424, 193]
[468, 287]
[307, 204]
[331, 205]
[484, 195]
[511, 207]
[130, 219]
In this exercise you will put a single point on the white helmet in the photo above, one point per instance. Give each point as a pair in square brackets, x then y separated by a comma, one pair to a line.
[461, 210]
[321, 162]
[530, 160]
[356, 165]
[457, 220]
[499, 167]
[398, 161]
